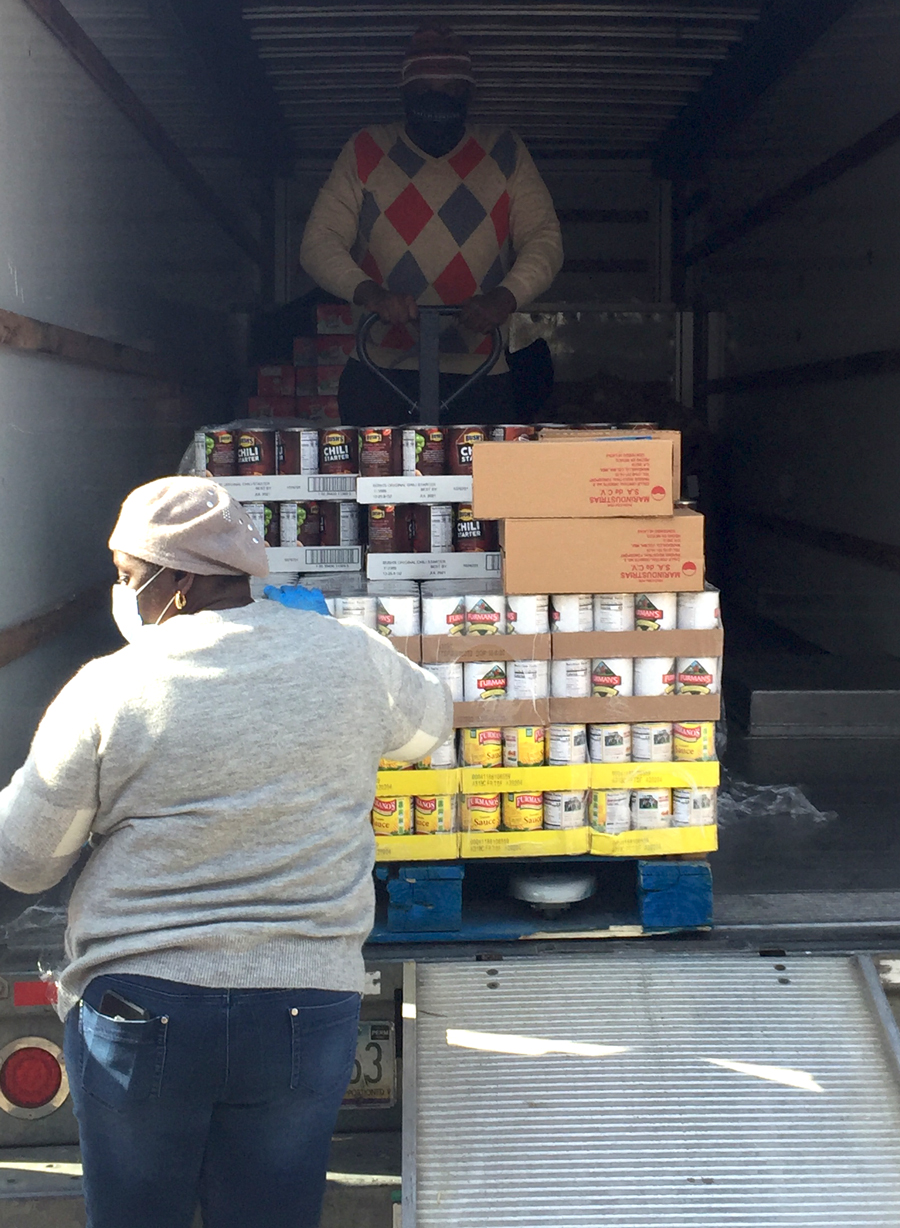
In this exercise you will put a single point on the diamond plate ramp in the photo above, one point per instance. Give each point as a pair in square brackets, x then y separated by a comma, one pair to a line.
[729, 1091]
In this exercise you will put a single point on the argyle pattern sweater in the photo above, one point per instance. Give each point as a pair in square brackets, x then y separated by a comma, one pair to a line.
[440, 229]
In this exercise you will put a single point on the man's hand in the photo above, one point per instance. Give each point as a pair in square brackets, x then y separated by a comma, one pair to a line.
[482, 313]
[391, 308]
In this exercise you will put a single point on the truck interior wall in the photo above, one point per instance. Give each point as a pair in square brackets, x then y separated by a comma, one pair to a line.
[815, 283]
[96, 235]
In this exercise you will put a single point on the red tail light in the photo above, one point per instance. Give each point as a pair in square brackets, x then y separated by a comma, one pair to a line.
[33, 1079]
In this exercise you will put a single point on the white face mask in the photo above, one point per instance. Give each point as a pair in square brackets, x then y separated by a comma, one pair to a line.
[125, 612]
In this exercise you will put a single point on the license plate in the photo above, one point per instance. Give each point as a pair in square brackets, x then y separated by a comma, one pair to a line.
[372, 1083]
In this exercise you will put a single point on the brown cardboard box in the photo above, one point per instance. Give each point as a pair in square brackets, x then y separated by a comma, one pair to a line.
[590, 478]
[497, 713]
[276, 381]
[636, 708]
[554, 434]
[486, 648]
[627, 555]
[568, 644]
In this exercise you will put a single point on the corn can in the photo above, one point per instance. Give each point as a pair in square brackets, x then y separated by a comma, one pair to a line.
[567, 744]
[563, 811]
[650, 809]
[651, 742]
[392, 816]
[610, 811]
[434, 815]
[524, 746]
[482, 747]
[694, 807]
[610, 743]
[481, 812]
[523, 811]
[694, 741]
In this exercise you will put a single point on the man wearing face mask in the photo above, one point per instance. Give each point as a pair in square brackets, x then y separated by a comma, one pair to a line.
[215, 931]
[427, 212]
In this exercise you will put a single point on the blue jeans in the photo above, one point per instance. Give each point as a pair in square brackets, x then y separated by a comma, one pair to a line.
[228, 1096]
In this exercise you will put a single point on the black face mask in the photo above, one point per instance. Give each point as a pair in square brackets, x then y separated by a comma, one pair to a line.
[435, 121]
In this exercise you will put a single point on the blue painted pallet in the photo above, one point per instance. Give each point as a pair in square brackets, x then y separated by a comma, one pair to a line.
[466, 902]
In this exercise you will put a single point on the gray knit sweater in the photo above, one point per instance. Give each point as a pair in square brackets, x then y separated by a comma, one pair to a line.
[224, 769]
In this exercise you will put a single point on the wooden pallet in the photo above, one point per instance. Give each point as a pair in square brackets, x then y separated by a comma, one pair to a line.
[469, 902]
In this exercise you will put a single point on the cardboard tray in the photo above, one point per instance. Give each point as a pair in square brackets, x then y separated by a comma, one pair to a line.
[443, 846]
[571, 843]
[633, 709]
[495, 713]
[409, 645]
[451, 648]
[667, 842]
[616, 644]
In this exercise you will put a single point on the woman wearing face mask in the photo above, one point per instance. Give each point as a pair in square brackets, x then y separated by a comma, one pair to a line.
[222, 768]
[433, 210]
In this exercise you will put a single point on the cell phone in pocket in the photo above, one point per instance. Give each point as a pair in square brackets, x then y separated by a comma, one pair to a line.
[116, 1007]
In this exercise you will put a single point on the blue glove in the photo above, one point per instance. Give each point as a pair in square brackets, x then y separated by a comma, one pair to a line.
[296, 597]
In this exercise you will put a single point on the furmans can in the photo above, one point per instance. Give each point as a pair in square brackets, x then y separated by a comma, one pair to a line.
[481, 812]
[436, 814]
[655, 611]
[613, 612]
[612, 676]
[443, 615]
[650, 809]
[485, 615]
[397, 614]
[694, 741]
[651, 742]
[570, 678]
[693, 807]
[482, 747]
[654, 675]
[450, 672]
[529, 615]
[610, 811]
[571, 612]
[528, 680]
[444, 756]
[523, 746]
[424, 451]
[392, 816]
[567, 744]
[484, 680]
[256, 451]
[610, 743]
[697, 676]
[699, 611]
[563, 811]
[339, 450]
[462, 440]
[380, 451]
[523, 811]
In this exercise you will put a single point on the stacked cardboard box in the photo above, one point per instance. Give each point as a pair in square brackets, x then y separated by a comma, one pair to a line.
[307, 387]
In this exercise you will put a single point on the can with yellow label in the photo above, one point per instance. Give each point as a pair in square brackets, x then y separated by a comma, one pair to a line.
[394, 765]
[392, 816]
[481, 812]
[482, 747]
[523, 811]
[523, 746]
[610, 811]
[436, 814]
[694, 741]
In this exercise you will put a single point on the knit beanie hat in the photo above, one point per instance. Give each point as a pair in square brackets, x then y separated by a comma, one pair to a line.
[190, 524]
[436, 53]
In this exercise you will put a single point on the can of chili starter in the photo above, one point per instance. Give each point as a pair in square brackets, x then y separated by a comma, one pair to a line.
[512, 433]
[523, 811]
[436, 814]
[301, 524]
[472, 535]
[424, 451]
[256, 451]
[482, 747]
[431, 528]
[694, 741]
[338, 450]
[461, 440]
[298, 450]
[388, 528]
[380, 451]
[266, 518]
[216, 452]
[523, 746]
[392, 816]
[481, 812]
[340, 524]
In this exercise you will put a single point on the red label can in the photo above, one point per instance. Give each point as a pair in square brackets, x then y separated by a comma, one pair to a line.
[301, 524]
[462, 440]
[389, 528]
[338, 450]
[220, 452]
[380, 451]
[431, 528]
[256, 450]
[340, 524]
[472, 535]
[512, 434]
[424, 451]
[298, 449]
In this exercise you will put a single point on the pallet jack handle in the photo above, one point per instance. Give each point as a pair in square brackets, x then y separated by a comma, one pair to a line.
[429, 406]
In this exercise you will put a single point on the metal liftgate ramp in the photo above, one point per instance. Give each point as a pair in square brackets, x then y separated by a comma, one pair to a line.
[659, 1091]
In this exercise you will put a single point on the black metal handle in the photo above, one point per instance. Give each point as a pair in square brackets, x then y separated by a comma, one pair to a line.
[429, 359]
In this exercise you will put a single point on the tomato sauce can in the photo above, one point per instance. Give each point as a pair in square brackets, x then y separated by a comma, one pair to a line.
[298, 449]
[482, 747]
[461, 441]
[339, 449]
[392, 816]
[424, 451]
[216, 452]
[481, 812]
[340, 524]
[524, 746]
[431, 528]
[694, 741]
[523, 811]
[256, 451]
[433, 815]
[380, 451]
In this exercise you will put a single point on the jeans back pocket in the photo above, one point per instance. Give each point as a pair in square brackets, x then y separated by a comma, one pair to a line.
[323, 1045]
[122, 1061]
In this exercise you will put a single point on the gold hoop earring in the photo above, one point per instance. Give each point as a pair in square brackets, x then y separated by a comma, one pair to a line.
[180, 600]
